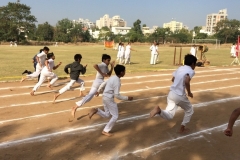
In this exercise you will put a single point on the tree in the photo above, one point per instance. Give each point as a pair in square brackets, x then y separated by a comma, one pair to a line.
[63, 29]
[227, 30]
[197, 29]
[45, 32]
[135, 32]
[201, 36]
[137, 27]
[160, 34]
[16, 21]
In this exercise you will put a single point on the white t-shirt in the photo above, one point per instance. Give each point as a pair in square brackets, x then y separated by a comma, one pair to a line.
[50, 64]
[42, 57]
[154, 49]
[103, 68]
[112, 88]
[233, 49]
[193, 51]
[178, 85]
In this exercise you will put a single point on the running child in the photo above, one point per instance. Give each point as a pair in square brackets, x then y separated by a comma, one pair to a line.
[47, 72]
[111, 90]
[75, 69]
[177, 95]
[102, 71]
[40, 64]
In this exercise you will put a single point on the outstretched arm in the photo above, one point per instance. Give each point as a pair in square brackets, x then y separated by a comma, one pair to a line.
[55, 67]
[235, 114]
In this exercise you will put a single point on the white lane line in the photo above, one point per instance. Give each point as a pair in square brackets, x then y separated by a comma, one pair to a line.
[141, 82]
[137, 77]
[141, 99]
[37, 138]
[222, 127]
[124, 92]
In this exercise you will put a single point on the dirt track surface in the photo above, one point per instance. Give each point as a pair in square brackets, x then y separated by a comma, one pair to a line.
[31, 127]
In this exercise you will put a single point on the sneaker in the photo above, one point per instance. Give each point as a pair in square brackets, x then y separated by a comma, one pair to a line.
[26, 71]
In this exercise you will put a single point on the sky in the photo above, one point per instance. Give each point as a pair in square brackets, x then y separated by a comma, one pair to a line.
[150, 12]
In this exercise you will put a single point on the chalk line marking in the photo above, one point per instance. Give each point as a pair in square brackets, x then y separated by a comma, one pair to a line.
[223, 126]
[137, 77]
[139, 90]
[151, 81]
[15, 142]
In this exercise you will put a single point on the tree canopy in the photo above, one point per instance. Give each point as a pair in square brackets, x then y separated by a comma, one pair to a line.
[16, 21]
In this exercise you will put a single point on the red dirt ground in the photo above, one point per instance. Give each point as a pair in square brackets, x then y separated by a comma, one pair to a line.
[31, 127]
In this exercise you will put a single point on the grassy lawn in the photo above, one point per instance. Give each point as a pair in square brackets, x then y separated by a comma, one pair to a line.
[14, 60]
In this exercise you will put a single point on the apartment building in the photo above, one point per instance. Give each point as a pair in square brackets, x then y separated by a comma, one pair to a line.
[106, 21]
[213, 19]
[86, 23]
[173, 25]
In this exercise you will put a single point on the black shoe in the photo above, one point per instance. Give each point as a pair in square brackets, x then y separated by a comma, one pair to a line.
[26, 71]
[29, 72]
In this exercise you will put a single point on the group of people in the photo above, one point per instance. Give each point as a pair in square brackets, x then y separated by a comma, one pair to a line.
[13, 43]
[124, 54]
[110, 88]
[234, 50]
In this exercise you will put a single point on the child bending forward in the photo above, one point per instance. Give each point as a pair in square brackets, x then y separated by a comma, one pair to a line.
[177, 96]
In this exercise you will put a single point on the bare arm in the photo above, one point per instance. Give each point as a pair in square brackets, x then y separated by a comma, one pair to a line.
[112, 66]
[187, 84]
[55, 67]
[173, 79]
[235, 114]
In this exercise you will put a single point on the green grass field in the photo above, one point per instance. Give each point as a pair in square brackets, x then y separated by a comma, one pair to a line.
[14, 60]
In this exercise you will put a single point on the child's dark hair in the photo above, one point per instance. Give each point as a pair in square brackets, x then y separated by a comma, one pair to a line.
[77, 57]
[105, 56]
[50, 55]
[40, 50]
[118, 69]
[189, 60]
[45, 48]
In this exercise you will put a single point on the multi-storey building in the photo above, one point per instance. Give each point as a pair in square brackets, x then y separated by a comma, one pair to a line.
[173, 25]
[106, 21]
[84, 22]
[213, 19]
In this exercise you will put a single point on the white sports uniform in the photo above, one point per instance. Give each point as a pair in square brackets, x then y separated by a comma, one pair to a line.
[119, 52]
[233, 51]
[154, 54]
[127, 54]
[45, 73]
[96, 83]
[121, 59]
[177, 95]
[42, 57]
[193, 51]
[111, 90]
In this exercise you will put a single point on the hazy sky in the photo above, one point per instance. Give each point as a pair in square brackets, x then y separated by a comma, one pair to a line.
[151, 12]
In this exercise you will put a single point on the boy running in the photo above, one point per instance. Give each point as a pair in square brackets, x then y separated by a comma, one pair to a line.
[235, 114]
[111, 90]
[41, 57]
[102, 71]
[47, 72]
[177, 96]
[75, 69]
